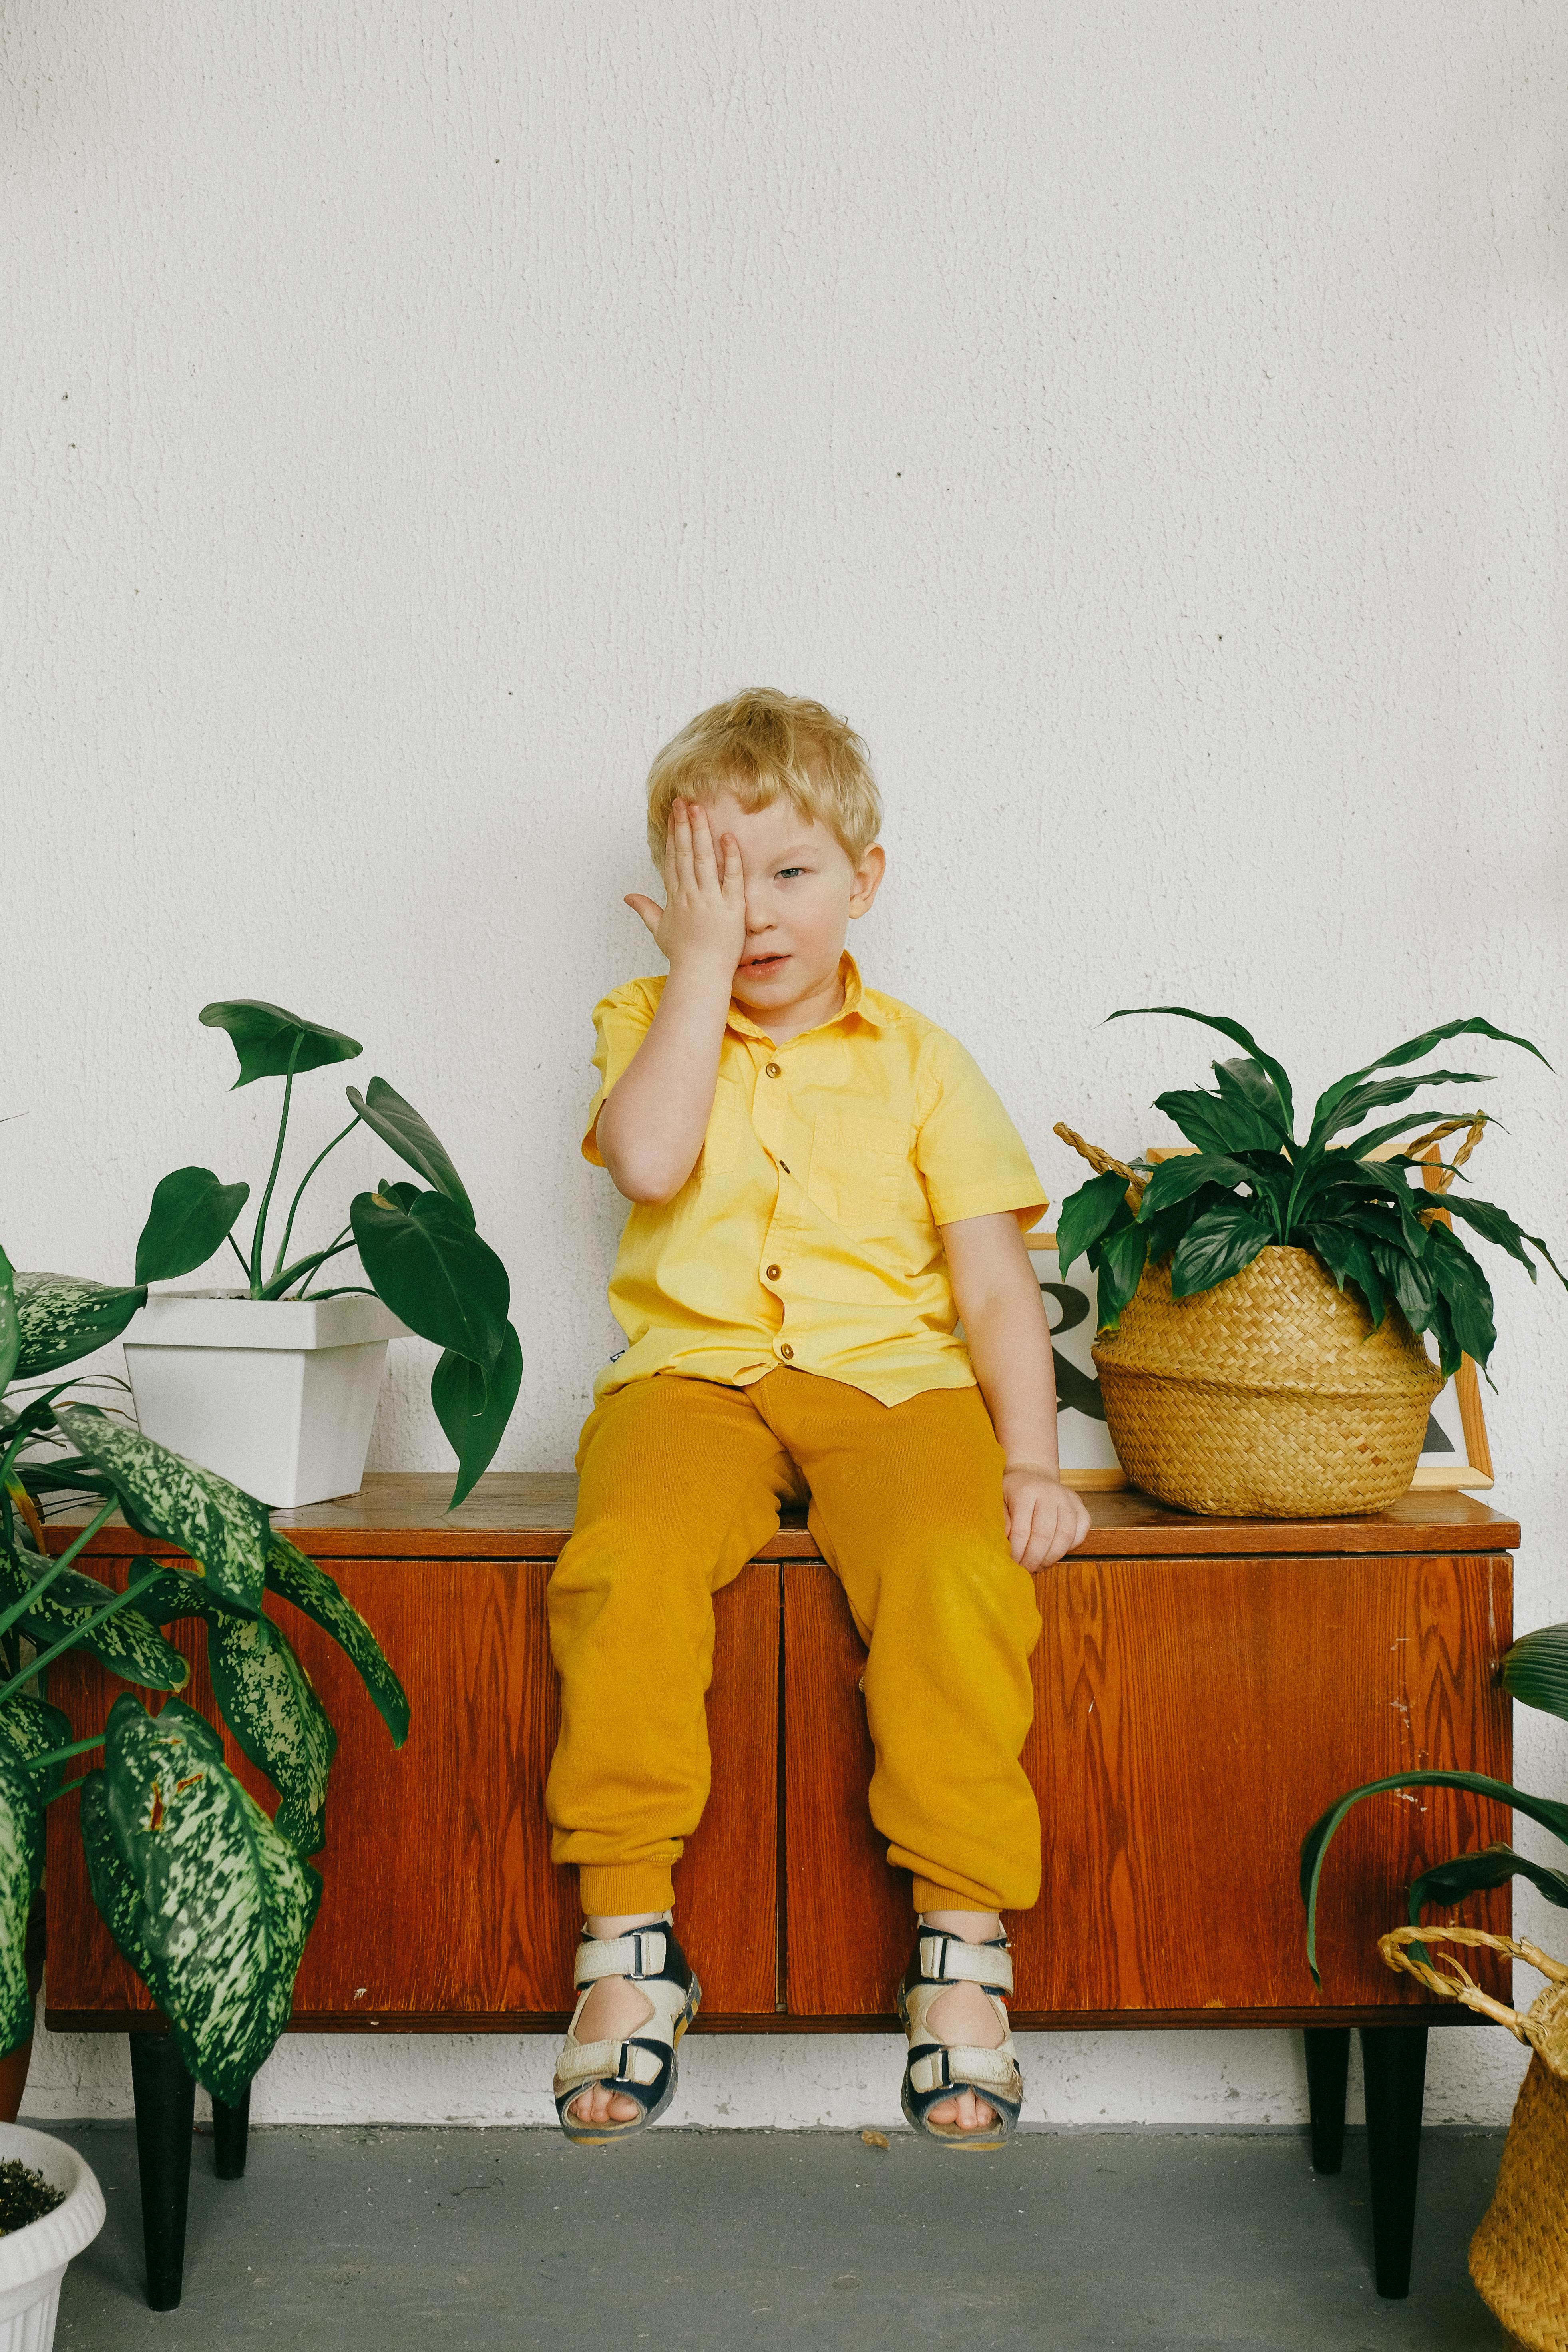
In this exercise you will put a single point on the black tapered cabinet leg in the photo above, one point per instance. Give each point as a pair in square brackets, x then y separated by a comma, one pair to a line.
[165, 2109]
[1328, 2064]
[231, 2138]
[1394, 2060]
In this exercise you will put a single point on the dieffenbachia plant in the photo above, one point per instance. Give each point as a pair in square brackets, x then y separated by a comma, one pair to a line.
[418, 1248]
[209, 1899]
[1250, 1182]
[1535, 1671]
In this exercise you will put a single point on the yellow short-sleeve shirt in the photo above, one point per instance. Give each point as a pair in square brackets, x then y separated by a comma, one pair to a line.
[806, 1234]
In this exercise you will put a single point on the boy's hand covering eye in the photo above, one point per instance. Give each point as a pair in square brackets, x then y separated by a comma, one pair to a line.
[1044, 1518]
[704, 918]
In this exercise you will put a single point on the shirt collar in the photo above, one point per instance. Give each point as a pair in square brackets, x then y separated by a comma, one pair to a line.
[855, 1004]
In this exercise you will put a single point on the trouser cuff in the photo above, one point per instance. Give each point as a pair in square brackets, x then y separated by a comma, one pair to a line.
[928, 1897]
[608, 1890]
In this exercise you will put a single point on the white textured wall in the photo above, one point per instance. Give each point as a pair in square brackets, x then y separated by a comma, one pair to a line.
[1146, 420]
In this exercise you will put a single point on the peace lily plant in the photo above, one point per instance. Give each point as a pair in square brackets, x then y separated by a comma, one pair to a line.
[1250, 1182]
[420, 1252]
[208, 1900]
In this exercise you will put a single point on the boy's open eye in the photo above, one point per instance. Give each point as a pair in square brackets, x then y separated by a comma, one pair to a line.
[785, 872]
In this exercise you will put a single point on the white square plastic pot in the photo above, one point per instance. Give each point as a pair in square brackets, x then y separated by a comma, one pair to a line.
[33, 2260]
[277, 1394]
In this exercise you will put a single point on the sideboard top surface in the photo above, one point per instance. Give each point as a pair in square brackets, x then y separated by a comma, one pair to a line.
[527, 1515]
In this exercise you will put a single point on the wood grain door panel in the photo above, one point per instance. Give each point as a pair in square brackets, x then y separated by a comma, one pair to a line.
[440, 1900]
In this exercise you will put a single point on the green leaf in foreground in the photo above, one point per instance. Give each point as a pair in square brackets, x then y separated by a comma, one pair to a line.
[225, 1531]
[314, 1592]
[269, 1705]
[190, 1213]
[1218, 1244]
[127, 1643]
[412, 1138]
[10, 1327]
[474, 1412]
[271, 1041]
[1472, 1873]
[60, 1316]
[21, 1867]
[1535, 1671]
[1086, 1213]
[429, 1266]
[222, 1902]
[34, 1728]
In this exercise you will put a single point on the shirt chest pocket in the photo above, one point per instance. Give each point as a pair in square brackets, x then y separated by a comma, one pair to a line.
[859, 1163]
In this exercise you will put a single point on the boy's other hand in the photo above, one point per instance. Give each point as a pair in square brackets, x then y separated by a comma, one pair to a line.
[704, 919]
[1044, 1517]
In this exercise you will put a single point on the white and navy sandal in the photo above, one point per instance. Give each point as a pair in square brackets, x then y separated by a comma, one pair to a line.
[642, 2066]
[934, 2070]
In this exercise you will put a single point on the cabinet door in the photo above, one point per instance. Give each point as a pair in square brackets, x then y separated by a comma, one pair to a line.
[1193, 1718]
[440, 1900]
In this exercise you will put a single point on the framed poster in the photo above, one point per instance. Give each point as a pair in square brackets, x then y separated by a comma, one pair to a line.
[1089, 1461]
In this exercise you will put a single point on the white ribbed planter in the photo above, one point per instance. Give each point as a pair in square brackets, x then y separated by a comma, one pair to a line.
[277, 1394]
[32, 2260]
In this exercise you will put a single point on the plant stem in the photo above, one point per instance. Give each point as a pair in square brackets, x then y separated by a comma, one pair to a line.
[283, 1245]
[239, 1254]
[79, 1634]
[311, 1265]
[256, 1237]
[349, 1290]
[58, 1755]
[19, 1608]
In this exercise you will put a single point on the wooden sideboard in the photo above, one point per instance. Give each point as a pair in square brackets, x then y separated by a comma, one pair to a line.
[1203, 1689]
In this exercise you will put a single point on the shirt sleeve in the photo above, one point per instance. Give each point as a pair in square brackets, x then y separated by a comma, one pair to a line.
[968, 1151]
[621, 1022]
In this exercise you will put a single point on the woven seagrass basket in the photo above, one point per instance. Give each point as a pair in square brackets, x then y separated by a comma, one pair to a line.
[1270, 1396]
[1519, 2256]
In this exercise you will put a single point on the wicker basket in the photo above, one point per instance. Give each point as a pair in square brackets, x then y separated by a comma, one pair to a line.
[1270, 1396]
[1519, 2256]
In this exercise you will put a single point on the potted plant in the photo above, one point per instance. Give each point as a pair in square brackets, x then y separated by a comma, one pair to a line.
[274, 1385]
[1519, 2255]
[209, 1899]
[1262, 1297]
[50, 2208]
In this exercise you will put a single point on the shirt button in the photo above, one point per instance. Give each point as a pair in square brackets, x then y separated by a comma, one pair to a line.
[787, 1352]
[774, 1070]
[774, 1272]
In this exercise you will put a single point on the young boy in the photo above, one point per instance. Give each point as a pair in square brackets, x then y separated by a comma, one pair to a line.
[822, 1185]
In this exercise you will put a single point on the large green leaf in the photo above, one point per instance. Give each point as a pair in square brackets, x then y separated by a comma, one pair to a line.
[398, 1123]
[429, 1266]
[21, 1867]
[1348, 1258]
[1466, 1290]
[1535, 1670]
[1250, 1097]
[269, 1040]
[34, 1728]
[1118, 1258]
[190, 1213]
[474, 1410]
[1225, 1239]
[1089, 1213]
[1375, 1094]
[1176, 1180]
[1272, 1069]
[62, 1317]
[314, 1592]
[225, 1531]
[1471, 1874]
[1200, 1117]
[10, 1328]
[269, 1705]
[1551, 1815]
[1328, 1101]
[224, 1902]
[126, 1642]
[113, 1888]
[1495, 1224]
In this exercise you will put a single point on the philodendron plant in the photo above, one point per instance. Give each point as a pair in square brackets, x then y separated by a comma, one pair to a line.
[1251, 1181]
[418, 1248]
[1535, 1671]
[209, 1899]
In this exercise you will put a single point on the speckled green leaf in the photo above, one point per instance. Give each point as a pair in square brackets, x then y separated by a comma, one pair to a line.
[127, 1643]
[225, 1902]
[21, 1867]
[61, 1316]
[33, 1728]
[270, 1708]
[10, 1328]
[314, 1594]
[225, 1531]
[113, 1888]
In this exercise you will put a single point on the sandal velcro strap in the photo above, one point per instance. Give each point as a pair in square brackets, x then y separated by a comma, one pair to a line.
[611, 2062]
[939, 2068]
[948, 1959]
[642, 1953]
[640, 2066]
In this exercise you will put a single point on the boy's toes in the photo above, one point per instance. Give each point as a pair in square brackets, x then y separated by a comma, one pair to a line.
[966, 2113]
[602, 2106]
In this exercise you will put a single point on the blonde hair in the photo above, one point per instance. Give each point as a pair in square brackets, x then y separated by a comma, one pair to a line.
[760, 744]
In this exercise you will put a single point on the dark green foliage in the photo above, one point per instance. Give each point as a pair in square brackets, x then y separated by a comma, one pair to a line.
[192, 1212]
[1249, 1184]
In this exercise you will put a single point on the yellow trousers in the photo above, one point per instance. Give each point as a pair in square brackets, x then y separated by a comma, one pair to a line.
[681, 1482]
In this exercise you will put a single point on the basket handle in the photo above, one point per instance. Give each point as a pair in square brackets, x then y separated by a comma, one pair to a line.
[1102, 1163]
[1453, 1981]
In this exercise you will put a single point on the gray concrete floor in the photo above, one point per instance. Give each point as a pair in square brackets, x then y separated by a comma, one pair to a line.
[370, 2239]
